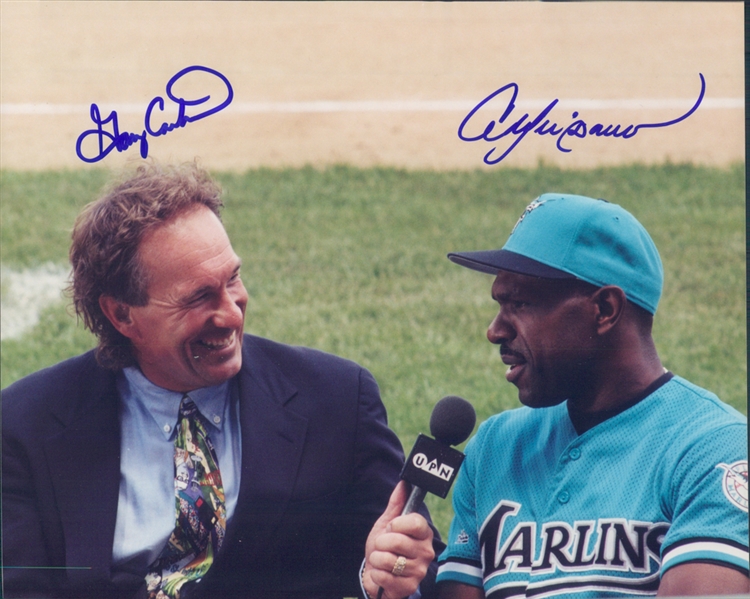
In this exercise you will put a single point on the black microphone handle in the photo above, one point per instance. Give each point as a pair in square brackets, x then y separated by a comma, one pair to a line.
[415, 500]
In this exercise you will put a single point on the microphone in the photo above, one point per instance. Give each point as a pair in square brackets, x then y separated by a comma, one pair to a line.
[433, 464]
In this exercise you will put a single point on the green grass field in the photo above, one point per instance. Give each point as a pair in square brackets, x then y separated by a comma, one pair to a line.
[352, 261]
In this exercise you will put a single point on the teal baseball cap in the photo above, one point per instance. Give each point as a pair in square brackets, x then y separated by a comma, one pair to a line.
[563, 236]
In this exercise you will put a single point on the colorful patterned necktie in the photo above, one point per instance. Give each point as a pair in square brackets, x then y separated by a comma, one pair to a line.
[201, 515]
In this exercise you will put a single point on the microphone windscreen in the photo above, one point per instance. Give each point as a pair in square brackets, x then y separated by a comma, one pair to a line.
[452, 420]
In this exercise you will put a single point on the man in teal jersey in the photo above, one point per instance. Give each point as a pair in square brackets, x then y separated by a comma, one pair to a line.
[617, 477]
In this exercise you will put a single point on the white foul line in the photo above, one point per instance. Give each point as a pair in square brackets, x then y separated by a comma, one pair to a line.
[325, 106]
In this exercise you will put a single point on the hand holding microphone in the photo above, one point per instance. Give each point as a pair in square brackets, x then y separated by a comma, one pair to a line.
[399, 548]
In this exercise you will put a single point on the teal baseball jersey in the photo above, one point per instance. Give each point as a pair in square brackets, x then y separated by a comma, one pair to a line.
[541, 511]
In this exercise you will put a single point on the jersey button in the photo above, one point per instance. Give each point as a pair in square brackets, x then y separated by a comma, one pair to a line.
[563, 497]
[575, 453]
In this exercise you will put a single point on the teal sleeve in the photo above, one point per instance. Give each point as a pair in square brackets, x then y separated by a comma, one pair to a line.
[709, 503]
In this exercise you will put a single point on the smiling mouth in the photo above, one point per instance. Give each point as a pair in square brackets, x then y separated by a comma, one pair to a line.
[212, 346]
[215, 344]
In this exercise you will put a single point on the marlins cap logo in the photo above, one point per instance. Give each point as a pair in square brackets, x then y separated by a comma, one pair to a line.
[535, 204]
[734, 483]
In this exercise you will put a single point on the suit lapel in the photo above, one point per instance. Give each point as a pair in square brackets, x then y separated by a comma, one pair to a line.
[273, 439]
[84, 465]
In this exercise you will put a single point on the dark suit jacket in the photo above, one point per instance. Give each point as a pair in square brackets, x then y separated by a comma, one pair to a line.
[318, 465]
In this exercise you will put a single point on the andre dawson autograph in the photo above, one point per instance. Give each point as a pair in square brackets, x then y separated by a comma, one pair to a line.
[517, 128]
[107, 140]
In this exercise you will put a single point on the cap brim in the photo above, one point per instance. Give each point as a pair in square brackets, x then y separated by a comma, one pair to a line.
[493, 261]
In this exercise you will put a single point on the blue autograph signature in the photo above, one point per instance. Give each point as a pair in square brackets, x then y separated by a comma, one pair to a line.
[542, 126]
[122, 141]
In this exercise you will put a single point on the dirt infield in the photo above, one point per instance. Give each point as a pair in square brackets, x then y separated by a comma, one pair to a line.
[375, 83]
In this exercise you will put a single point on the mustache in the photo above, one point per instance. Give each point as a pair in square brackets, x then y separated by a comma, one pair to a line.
[509, 352]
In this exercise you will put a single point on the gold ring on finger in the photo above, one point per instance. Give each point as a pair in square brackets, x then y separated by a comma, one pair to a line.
[398, 567]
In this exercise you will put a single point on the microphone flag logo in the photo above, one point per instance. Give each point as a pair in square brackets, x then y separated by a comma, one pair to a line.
[422, 462]
[432, 466]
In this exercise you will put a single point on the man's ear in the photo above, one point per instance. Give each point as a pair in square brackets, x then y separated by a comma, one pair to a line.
[610, 304]
[118, 313]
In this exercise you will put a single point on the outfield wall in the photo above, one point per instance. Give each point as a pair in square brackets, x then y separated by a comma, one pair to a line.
[374, 83]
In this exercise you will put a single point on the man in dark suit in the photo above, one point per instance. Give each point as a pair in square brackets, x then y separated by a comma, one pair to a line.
[183, 458]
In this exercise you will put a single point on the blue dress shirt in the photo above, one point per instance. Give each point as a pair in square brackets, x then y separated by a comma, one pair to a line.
[146, 505]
